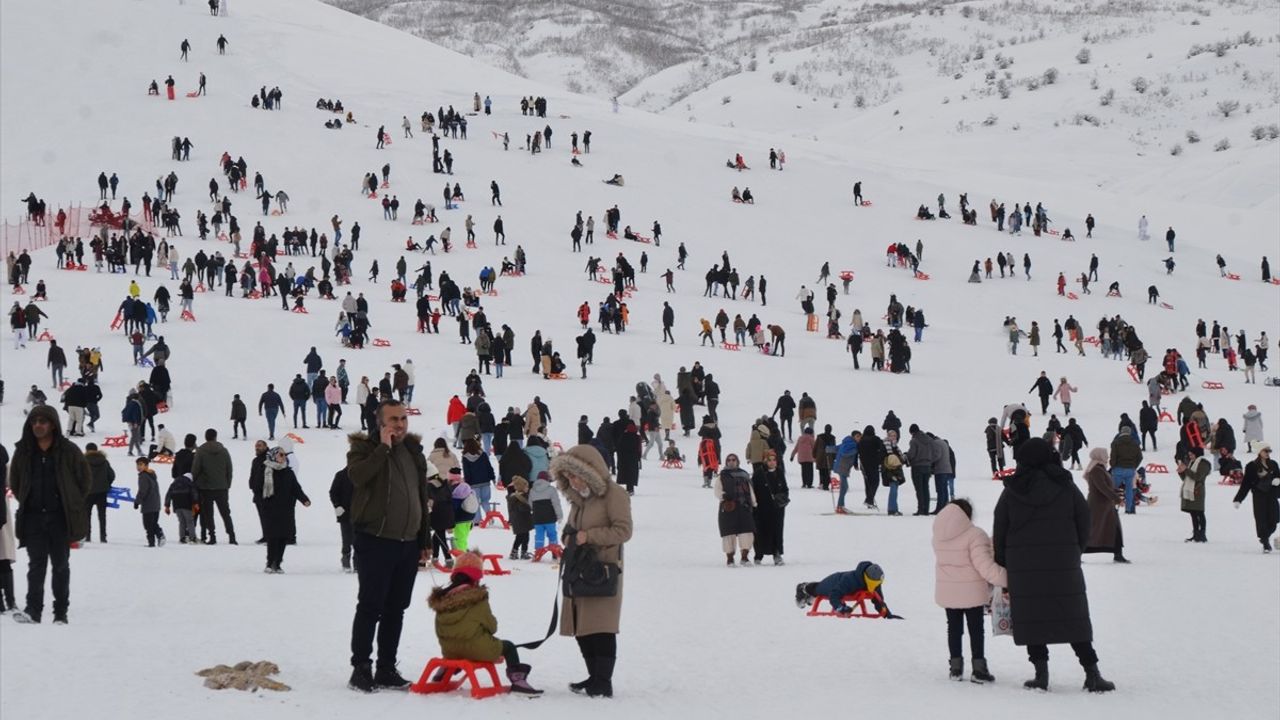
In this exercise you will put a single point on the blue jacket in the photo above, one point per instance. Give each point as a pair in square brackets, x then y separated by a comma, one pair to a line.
[847, 452]
[132, 413]
[539, 461]
[837, 586]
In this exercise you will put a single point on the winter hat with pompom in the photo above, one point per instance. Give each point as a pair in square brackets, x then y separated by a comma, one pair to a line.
[468, 567]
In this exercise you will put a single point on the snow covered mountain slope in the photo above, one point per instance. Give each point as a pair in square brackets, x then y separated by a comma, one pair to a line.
[697, 638]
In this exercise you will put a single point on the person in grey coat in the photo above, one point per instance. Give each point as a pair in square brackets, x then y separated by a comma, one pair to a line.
[944, 475]
[921, 457]
[149, 501]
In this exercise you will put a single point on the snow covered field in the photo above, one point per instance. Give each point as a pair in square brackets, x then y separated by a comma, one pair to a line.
[1185, 631]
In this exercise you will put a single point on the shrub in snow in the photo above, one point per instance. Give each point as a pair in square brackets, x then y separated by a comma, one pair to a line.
[1002, 61]
[1107, 97]
[726, 99]
[751, 66]
[1226, 107]
[1050, 76]
[1140, 84]
[778, 76]
[1176, 150]
[1084, 56]
[1033, 84]
[1085, 118]
[1002, 87]
[1221, 145]
[793, 79]
[991, 120]
[1193, 137]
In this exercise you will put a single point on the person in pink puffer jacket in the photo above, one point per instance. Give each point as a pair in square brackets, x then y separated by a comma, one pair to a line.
[333, 398]
[966, 569]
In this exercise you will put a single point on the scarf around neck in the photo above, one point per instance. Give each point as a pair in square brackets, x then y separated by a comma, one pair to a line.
[268, 477]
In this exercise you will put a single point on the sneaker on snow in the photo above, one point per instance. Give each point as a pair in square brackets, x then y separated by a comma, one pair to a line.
[361, 678]
[22, 618]
[59, 619]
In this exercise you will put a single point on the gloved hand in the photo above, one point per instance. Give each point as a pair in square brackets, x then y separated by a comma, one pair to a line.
[136, 506]
[1236, 504]
[1276, 482]
[338, 511]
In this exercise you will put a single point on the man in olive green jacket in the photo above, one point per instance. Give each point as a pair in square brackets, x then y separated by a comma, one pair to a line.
[50, 479]
[211, 469]
[390, 520]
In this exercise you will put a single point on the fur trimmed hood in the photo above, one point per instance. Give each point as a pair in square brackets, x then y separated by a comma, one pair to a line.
[444, 599]
[587, 463]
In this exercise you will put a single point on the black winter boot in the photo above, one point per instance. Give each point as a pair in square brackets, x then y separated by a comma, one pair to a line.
[581, 687]
[390, 679]
[361, 678]
[602, 678]
[1041, 680]
[1094, 682]
[980, 673]
[957, 668]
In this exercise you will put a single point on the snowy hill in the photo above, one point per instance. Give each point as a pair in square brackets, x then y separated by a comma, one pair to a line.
[697, 638]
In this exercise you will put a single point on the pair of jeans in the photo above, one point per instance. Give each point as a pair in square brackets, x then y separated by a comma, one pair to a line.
[483, 494]
[271, 424]
[544, 534]
[1123, 478]
[944, 487]
[893, 497]
[920, 480]
[957, 618]
[322, 409]
[844, 489]
[299, 408]
[47, 544]
[386, 570]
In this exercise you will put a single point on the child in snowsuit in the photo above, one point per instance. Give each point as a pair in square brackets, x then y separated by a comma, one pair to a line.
[465, 507]
[520, 515]
[183, 497]
[867, 577]
[965, 570]
[465, 624]
[546, 511]
[148, 501]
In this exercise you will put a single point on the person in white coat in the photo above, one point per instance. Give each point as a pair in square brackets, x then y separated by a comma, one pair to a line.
[1142, 229]
[408, 393]
[1252, 427]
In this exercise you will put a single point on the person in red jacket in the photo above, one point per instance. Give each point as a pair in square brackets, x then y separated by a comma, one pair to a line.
[454, 413]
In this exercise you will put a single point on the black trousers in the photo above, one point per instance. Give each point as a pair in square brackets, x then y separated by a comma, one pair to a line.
[785, 427]
[1197, 525]
[1084, 652]
[275, 551]
[871, 481]
[997, 461]
[47, 543]
[151, 524]
[521, 543]
[956, 620]
[806, 474]
[386, 570]
[208, 499]
[98, 500]
[344, 526]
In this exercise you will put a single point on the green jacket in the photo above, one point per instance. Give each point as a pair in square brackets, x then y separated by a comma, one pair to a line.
[211, 467]
[73, 478]
[102, 473]
[389, 497]
[465, 625]
[1125, 451]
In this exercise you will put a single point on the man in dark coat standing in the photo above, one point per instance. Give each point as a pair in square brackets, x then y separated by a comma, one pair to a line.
[390, 520]
[50, 479]
[1041, 528]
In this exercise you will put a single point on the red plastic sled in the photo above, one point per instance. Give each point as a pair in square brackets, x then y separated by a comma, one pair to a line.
[449, 668]
[1211, 385]
[381, 342]
[922, 276]
[857, 601]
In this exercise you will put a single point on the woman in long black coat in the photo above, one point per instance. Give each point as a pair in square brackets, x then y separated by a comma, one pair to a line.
[1260, 476]
[736, 518]
[1041, 528]
[280, 492]
[772, 496]
[628, 451]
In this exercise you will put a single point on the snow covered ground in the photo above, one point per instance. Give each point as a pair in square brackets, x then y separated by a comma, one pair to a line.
[1185, 631]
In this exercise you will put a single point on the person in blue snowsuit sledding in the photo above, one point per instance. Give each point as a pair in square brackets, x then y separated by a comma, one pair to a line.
[866, 577]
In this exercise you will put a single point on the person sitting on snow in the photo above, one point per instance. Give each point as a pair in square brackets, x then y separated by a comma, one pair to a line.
[736, 195]
[627, 234]
[923, 213]
[867, 577]
[672, 453]
[747, 197]
[615, 180]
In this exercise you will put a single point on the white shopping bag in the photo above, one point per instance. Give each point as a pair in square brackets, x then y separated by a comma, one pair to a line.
[1001, 613]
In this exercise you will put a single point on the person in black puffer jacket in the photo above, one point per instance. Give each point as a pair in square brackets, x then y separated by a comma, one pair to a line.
[1041, 528]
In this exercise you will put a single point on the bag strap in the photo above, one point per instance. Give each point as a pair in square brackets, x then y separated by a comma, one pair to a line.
[555, 613]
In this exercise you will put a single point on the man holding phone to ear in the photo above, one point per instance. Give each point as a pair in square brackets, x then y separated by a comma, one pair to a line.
[390, 520]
